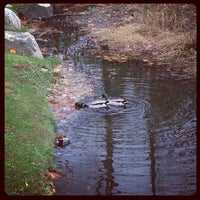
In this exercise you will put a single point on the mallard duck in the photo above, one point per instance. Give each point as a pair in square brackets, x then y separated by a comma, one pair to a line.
[95, 104]
[114, 102]
[80, 105]
[61, 141]
[65, 141]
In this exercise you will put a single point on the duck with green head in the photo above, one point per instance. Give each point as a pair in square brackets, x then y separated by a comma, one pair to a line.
[114, 102]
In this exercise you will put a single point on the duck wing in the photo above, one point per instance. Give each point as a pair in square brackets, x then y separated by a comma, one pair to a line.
[98, 102]
[115, 103]
[98, 105]
[117, 100]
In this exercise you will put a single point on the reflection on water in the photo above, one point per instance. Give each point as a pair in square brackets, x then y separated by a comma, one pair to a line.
[149, 148]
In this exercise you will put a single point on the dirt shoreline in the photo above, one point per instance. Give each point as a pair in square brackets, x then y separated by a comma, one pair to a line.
[120, 32]
[123, 33]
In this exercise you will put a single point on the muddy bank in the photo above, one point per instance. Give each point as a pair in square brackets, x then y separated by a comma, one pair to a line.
[162, 35]
[159, 35]
[70, 88]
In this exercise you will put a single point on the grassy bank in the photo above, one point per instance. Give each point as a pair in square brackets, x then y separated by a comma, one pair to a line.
[29, 125]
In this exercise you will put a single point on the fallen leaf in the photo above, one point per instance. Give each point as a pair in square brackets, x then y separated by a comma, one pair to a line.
[54, 175]
[145, 60]
[53, 101]
[150, 63]
[65, 9]
[13, 51]
[168, 69]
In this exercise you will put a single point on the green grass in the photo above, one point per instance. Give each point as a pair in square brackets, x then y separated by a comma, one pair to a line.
[29, 125]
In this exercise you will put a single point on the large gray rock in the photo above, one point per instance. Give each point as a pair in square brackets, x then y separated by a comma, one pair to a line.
[12, 21]
[43, 10]
[23, 43]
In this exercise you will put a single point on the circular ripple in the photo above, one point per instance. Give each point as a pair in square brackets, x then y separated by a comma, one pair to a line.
[147, 148]
[152, 141]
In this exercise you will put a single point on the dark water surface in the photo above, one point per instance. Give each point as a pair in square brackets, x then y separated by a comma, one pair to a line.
[149, 148]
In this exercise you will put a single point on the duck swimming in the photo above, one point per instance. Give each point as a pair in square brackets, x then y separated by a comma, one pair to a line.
[80, 105]
[61, 141]
[102, 103]
[95, 104]
[114, 102]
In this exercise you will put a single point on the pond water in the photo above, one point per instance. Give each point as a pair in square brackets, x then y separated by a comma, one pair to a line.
[147, 148]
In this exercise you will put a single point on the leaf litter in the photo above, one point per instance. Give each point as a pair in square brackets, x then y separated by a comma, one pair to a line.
[71, 87]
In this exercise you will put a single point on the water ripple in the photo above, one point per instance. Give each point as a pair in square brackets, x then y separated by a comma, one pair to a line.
[147, 148]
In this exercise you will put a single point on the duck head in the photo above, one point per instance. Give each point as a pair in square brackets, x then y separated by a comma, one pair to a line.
[58, 142]
[104, 95]
[80, 105]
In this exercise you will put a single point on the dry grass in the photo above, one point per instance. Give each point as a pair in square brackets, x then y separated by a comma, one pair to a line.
[166, 31]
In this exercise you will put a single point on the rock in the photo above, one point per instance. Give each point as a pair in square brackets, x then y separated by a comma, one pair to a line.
[12, 21]
[22, 43]
[58, 5]
[43, 10]
[31, 30]
[9, 6]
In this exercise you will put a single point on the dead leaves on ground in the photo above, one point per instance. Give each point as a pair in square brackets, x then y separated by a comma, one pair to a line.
[115, 58]
[19, 66]
[54, 175]
[71, 87]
